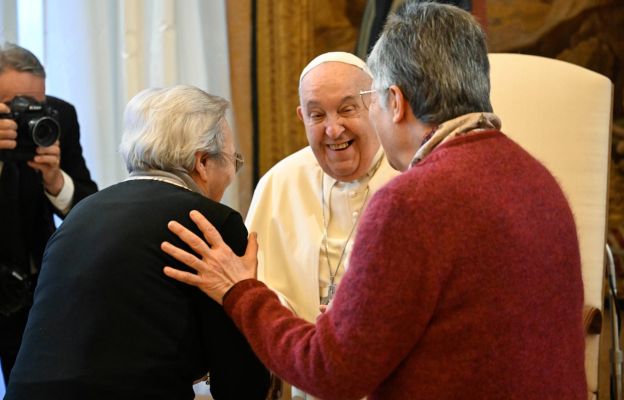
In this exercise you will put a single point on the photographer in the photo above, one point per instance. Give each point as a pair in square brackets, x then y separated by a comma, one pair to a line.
[33, 187]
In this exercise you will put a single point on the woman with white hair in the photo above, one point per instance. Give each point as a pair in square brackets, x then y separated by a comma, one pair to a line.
[106, 323]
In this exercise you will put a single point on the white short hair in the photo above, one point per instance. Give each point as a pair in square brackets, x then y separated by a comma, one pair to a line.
[164, 128]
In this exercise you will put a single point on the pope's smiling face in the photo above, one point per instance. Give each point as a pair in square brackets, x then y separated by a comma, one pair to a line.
[336, 121]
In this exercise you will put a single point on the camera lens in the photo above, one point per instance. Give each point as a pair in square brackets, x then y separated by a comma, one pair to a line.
[44, 131]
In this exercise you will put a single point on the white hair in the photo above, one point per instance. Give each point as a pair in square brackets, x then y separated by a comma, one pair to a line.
[164, 128]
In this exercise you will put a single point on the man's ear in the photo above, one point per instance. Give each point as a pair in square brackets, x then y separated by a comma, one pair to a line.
[300, 113]
[397, 103]
[199, 167]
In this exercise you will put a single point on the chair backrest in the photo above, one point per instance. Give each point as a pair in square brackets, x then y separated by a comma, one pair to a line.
[562, 114]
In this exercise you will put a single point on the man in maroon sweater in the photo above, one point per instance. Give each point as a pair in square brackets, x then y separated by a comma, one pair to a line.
[465, 279]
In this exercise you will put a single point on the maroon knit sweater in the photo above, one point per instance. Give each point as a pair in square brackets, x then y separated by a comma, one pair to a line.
[464, 283]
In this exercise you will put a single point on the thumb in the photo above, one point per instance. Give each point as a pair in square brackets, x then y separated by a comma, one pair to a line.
[251, 253]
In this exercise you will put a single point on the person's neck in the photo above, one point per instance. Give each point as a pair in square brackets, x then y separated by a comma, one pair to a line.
[416, 131]
[419, 130]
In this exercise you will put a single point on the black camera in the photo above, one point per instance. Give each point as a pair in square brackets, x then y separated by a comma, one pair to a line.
[37, 125]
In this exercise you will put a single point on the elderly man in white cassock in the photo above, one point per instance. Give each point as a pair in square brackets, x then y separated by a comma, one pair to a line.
[306, 208]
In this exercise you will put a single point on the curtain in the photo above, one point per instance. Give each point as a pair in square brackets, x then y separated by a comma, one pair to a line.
[98, 54]
[239, 18]
[284, 45]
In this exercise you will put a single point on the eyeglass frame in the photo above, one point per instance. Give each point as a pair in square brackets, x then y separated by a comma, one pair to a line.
[238, 159]
[365, 92]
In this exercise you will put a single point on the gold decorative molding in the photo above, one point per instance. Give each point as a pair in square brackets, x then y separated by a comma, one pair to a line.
[284, 44]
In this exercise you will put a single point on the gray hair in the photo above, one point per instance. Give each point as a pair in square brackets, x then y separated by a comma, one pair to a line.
[14, 57]
[437, 55]
[164, 128]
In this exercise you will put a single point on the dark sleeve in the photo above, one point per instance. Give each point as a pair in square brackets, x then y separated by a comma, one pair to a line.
[72, 161]
[236, 372]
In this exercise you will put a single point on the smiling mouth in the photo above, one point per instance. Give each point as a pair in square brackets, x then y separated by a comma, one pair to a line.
[340, 146]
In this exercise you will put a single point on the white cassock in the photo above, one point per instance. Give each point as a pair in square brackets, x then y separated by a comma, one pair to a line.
[286, 213]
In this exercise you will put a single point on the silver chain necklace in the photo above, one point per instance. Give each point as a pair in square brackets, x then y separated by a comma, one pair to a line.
[331, 289]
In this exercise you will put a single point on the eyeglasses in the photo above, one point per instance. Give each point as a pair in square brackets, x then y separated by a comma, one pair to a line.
[238, 159]
[366, 96]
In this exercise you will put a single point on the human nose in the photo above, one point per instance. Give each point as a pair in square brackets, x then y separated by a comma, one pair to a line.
[334, 127]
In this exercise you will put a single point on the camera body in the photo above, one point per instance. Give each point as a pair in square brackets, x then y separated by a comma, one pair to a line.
[37, 125]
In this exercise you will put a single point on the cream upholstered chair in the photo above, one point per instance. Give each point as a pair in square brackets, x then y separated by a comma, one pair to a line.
[561, 113]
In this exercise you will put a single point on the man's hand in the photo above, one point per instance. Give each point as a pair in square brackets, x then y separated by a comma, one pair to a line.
[48, 162]
[8, 129]
[219, 269]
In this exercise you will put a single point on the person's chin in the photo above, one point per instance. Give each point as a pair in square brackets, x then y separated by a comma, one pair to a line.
[397, 165]
[344, 173]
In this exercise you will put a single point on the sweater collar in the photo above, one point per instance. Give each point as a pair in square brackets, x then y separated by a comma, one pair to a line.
[464, 125]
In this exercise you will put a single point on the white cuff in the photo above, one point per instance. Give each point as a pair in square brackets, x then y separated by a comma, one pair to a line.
[63, 200]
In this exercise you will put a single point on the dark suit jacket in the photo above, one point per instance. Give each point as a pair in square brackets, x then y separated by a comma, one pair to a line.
[107, 323]
[26, 212]
[26, 224]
